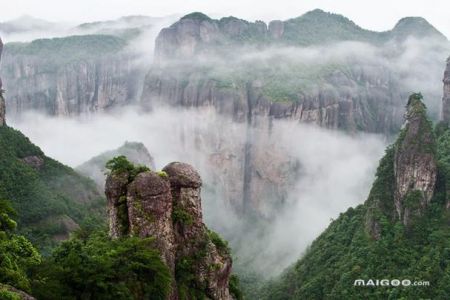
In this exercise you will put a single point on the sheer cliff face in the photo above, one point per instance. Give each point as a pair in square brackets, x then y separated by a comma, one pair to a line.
[167, 206]
[242, 69]
[2, 101]
[80, 87]
[446, 99]
[415, 163]
[407, 175]
[69, 76]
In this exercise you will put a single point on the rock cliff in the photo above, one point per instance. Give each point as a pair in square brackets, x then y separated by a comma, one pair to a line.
[407, 176]
[446, 99]
[2, 100]
[229, 64]
[407, 216]
[166, 205]
[415, 167]
[69, 76]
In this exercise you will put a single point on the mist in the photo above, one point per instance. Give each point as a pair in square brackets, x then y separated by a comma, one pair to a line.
[346, 69]
[336, 169]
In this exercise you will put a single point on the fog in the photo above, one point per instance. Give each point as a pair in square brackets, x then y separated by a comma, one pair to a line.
[349, 69]
[336, 170]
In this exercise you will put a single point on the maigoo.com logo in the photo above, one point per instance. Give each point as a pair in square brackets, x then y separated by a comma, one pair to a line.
[391, 282]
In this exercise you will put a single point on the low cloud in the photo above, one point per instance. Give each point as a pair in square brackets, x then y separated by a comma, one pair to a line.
[336, 169]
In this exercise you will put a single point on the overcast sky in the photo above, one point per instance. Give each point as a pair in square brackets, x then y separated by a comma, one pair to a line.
[370, 14]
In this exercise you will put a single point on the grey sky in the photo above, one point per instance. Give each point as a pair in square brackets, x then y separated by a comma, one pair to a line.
[375, 15]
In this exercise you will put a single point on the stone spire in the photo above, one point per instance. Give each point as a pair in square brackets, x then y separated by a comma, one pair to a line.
[2, 100]
[166, 205]
[415, 165]
[446, 99]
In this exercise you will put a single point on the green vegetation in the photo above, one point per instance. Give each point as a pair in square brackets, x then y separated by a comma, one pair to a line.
[189, 286]
[220, 244]
[235, 289]
[348, 251]
[6, 294]
[121, 164]
[92, 266]
[196, 16]
[45, 193]
[59, 51]
[180, 215]
[17, 255]
[162, 174]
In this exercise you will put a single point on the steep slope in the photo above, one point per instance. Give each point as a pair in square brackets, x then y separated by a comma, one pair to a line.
[95, 167]
[50, 198]
[167, 207]
[2, 100]
[69, 76]
[242, 69]
[446, 99]
[197, 33]
[400, 233]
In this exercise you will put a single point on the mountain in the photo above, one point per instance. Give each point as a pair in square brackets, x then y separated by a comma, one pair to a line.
[318, 68]
[2, 100]
[196, 33]
[400, 234]
[95, 168]
[26, 23]
[446, 99]
[50, 198]
[166, 205]
[69, 76]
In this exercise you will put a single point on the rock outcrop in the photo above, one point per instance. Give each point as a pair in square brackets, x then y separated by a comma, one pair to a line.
[446, 99]
[354, 97]
[2, 100]
[12, 293]
[166, 205]
[415, 165]
[70, 76]
[407, 175]
[95, 169]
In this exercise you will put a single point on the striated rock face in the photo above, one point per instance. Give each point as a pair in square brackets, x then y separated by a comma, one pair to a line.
[343, 109]
[415, 166]
[407, 175]
[167, 206]
[2, 100]
[69, 76]
[446, 98]
[227, 64]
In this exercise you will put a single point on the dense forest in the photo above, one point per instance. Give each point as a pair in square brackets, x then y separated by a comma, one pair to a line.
[418, 251]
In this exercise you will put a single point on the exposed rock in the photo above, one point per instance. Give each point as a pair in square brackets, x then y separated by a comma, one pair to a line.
[69, 82]
[34, 161]
[446, 98]
[95, 169]
[415, 166]
[116, 193]
[276, 29]
[167, 206]
[2, 100]
[16, 294]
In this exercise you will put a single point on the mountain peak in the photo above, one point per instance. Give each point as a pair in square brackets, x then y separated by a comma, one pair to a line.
[196, 16]
[415, 166]
[415, 26]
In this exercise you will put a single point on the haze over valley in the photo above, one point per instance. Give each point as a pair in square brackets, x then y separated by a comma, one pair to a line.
[280, 127]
